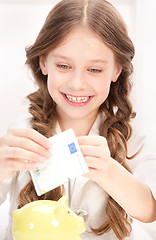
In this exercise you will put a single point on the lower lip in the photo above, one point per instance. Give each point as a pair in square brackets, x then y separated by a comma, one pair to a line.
[76, 104]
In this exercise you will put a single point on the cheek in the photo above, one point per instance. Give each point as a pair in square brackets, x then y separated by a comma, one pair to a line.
[103, 88]
[51, 85]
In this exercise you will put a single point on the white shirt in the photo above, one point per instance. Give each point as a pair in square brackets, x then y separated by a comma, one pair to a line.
[86, 194]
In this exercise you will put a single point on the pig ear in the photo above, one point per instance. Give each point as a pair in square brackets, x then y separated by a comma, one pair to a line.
[62, 202]
[15, 213]
[60, 209]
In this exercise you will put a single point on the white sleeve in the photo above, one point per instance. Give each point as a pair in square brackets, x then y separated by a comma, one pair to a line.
[5, 185]
[4, 189]
[143, 165]
[146, 172]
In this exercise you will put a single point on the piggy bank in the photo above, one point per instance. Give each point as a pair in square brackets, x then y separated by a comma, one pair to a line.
[47, 220]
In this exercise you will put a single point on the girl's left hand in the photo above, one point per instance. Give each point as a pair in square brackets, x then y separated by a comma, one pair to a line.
[97, 155]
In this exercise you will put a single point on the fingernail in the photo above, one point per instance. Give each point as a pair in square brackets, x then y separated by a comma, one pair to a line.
[49, 144]
[42, 159]
[48, 154]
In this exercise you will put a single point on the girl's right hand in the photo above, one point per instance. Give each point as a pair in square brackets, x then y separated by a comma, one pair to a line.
[22, 149]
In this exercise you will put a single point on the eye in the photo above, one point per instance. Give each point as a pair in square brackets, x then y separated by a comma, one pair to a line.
[63, 66]
[94, 70]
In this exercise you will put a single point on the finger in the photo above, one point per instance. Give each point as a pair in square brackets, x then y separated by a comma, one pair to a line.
[29, 145]
[93, 162]
[92, 140]
[90, 150]
[22, 154]
[14, 165]
[32, 135]
[95, 151]
[93, 174]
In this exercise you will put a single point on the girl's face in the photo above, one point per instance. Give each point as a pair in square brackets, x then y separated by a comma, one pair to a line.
[80, 71]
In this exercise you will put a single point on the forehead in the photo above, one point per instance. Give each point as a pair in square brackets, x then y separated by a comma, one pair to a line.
[82, 42]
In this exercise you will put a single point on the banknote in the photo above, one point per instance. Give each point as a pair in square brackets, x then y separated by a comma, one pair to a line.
[67, 162]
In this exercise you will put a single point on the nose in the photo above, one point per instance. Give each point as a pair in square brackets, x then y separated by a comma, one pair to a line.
[77, 81]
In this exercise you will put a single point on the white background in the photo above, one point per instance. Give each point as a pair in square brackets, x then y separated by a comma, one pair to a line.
[20, 22]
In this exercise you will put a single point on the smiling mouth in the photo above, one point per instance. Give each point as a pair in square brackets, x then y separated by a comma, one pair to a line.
[76, 99]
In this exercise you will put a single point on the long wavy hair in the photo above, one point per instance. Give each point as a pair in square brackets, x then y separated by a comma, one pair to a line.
[104, 20]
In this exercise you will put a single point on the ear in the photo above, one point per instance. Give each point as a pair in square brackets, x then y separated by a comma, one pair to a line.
[117, 72]
[60, 209]
[63, 201]
[43, 66]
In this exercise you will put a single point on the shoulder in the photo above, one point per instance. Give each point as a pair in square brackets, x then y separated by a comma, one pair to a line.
[137, 139]
[140, 145]
[143, 165]
[140, 140]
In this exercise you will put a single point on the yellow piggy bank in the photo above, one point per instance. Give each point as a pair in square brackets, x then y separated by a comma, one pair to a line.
[47, 220]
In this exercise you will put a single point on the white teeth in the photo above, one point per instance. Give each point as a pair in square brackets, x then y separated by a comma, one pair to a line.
[77, 99]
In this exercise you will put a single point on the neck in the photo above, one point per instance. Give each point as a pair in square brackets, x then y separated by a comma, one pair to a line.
[80, 127]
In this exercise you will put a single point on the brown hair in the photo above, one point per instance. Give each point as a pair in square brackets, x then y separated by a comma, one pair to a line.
[103, 19]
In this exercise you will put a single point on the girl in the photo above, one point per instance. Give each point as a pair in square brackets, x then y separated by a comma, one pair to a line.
[81, 62]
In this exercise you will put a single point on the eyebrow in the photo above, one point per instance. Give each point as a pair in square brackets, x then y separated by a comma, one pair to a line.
[92, 61]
